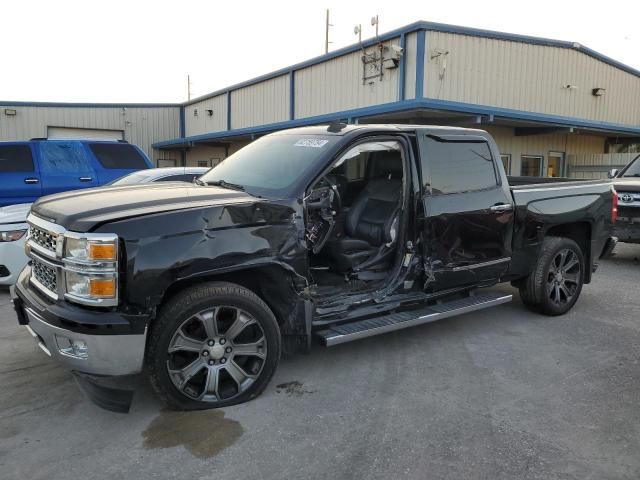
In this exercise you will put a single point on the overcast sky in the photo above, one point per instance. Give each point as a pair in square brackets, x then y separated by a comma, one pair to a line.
[142, 51]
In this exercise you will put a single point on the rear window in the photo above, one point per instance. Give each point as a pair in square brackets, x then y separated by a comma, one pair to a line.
[460, 166]
[178, 178]
[118, 156]
[15, 158]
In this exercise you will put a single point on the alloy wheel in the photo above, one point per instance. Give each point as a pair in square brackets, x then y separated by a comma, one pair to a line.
[216, 354]
[563, 277]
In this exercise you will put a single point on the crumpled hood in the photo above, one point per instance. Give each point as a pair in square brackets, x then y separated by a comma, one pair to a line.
[83, 210]
[14, 213]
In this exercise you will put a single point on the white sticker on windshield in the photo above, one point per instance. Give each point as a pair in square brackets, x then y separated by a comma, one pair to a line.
[311, 143]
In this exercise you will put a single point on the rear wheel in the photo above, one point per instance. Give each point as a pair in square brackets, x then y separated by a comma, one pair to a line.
[555, 284]
[213, 345]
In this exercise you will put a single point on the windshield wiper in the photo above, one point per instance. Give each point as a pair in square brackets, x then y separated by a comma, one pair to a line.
[632, 175]
[197, 181]
[225, 184]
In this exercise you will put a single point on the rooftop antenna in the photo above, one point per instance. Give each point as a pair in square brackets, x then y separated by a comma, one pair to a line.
[188, 87]
[326, 33]
[375, 22]
[358, 31]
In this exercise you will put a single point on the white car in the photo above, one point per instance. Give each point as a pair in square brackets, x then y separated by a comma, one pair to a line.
[13, 219]
[13, 234]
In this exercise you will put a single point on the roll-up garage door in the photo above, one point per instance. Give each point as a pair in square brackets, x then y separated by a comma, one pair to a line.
[66, 133]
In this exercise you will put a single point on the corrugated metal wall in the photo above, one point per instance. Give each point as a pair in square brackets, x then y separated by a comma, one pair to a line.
[570, 144]
[336, 85]
[263, 103]
[410, 51]
[203, 122]
[528, 77]
[597, 166]
[142, 126]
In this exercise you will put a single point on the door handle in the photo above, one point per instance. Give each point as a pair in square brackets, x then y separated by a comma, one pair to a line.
[85, 179]
[31, 180]
[502, 207]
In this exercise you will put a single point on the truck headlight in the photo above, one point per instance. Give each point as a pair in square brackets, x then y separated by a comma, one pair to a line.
[91, 268]
[91, 249]
[90, 285]
[12, 235]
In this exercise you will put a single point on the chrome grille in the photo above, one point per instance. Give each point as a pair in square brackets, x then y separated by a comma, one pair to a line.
[41, 237]
[45, 275]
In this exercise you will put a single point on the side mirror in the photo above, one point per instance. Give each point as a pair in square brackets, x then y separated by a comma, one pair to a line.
[613, 173]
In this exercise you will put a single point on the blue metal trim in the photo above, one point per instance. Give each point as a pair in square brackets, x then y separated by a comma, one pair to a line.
[292, 95]
[183, 131]
[403, 62]
[11, 103]
[524, 115]
[420, 64]
[228, 109]
[405, 105]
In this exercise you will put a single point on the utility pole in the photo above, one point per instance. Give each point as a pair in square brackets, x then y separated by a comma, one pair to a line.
[188, 87]
[326, 33]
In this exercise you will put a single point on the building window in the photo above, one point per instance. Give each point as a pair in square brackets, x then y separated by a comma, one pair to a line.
[531, 165]
[506, 163]
[555, 164]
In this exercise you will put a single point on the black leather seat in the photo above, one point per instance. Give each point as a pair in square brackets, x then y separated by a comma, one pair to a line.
[371, 223]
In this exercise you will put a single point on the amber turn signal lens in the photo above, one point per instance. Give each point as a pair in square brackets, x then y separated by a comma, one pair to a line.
[99, 251]
[102, 288]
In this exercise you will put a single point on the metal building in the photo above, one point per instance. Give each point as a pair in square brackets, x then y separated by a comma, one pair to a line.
[141, 124]
[554, 107]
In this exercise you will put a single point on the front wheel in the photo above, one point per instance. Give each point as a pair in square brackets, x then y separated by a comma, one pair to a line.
[555, 284]
[212, 345]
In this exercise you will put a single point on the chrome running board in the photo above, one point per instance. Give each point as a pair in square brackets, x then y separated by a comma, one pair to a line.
[349, 332]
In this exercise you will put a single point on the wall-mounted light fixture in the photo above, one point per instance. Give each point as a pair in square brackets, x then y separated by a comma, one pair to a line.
[598, 91]
[195, 112]
[210, 112]
[10, 112]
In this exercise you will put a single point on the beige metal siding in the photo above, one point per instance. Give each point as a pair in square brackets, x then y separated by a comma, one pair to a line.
[203, 122]
[206, 154]
[411, 47]
[260, 104]
[529, 77]
[336, 85]
[570, 144]
[142, 126]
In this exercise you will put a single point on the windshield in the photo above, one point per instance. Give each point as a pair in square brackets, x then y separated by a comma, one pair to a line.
[272, 164]
[633, 170]
[132, 179]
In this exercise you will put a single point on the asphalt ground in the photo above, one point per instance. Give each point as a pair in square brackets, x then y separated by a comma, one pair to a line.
[498, 394]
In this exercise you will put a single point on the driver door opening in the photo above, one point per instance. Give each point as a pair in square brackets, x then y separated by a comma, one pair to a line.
[354, 218]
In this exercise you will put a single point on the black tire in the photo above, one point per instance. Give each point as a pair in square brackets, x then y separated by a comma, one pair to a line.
[190, 304]
[547, 290]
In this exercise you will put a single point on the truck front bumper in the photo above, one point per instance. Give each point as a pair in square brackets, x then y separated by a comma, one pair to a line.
[94, 352]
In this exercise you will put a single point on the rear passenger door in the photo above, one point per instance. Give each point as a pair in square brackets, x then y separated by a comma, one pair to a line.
[19, 176]
[64, 166]
[468, 211]
[113, 160]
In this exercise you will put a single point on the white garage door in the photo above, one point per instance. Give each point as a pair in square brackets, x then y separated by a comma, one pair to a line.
[59, 133]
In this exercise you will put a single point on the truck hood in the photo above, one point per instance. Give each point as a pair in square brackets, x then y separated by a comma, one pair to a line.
[629, 184]
[14, 213]
[83, 210]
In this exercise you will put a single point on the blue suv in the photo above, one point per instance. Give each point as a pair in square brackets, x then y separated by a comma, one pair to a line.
[29, 170]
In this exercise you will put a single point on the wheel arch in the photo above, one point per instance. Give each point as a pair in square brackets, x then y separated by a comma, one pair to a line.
[273, 283]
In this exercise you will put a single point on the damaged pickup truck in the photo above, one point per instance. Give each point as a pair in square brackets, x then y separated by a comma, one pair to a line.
[335, 233]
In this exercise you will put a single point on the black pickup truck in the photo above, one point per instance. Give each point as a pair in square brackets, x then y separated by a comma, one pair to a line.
[335, 233]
